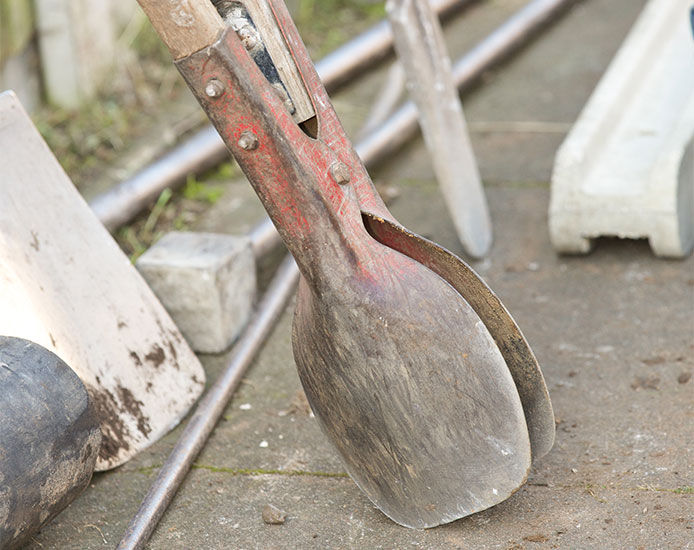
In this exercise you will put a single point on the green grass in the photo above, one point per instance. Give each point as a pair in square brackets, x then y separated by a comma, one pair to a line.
[326, 24]
[200, 191]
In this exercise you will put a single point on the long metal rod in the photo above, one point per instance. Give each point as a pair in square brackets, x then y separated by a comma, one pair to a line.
[210, 408]
[199, 428]
[205, 149]
[122, 203]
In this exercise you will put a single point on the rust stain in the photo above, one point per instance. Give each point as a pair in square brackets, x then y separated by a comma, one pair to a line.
[111, 411]
[172, 350]
[136, 358]
[134, 407]
[114, 432]
[176, 336]
[156, 356]
[35, 241]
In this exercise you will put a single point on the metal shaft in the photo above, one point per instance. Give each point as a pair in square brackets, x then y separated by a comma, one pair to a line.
[205, 149]
[210, 408]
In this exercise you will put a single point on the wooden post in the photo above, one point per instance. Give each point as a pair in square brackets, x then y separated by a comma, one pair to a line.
[17, 53]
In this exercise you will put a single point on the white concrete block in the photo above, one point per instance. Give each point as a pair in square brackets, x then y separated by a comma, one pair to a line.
[206, 281]
[626, 169]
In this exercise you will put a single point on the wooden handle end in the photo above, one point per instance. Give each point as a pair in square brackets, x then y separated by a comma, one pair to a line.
[185, 26]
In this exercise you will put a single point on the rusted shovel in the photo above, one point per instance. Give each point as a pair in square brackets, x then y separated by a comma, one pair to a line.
[66, 285]
[401, 371]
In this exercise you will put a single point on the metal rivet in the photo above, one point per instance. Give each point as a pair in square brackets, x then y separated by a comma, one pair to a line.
[248, 38]
[339, 172]
[214, 88]
[248, 141]
[289, 104]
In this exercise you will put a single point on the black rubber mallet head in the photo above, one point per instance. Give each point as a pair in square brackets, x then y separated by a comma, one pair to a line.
[49, 439]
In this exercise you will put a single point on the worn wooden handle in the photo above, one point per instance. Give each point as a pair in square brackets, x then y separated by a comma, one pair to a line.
[185, 26]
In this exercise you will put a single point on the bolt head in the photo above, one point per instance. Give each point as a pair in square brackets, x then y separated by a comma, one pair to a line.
[248, 141]
[340, 173]
[214, 88]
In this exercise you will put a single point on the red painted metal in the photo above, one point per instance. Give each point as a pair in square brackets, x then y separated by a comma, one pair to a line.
[289, 169]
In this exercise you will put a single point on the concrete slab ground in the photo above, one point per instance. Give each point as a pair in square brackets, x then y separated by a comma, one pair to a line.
[613, 331]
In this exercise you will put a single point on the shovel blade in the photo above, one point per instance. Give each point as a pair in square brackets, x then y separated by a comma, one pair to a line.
[66, 285]
[513, 346]
[413, 393]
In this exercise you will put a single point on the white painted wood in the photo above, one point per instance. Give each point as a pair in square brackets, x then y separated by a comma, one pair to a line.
[626, 169]
[422, 51]
[66, 285]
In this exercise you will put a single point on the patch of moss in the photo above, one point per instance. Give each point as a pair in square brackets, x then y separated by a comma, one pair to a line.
[261, 471]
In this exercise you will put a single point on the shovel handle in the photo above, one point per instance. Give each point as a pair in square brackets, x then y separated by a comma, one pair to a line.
[185, 26]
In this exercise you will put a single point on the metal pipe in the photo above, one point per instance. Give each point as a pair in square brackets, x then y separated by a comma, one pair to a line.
[120, 205]
[205, 149]
[211, 408]
[372, 46]
[387, 99]
[264, 238]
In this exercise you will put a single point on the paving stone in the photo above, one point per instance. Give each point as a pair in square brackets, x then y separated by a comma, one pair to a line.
[206, 282]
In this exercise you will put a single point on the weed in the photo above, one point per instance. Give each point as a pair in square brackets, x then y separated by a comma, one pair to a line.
[224, 172]
[203, 192]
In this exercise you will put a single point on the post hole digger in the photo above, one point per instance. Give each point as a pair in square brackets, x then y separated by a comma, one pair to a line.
[415, 370]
